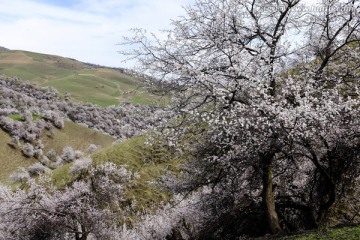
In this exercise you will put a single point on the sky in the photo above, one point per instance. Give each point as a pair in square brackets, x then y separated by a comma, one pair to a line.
[87, 30]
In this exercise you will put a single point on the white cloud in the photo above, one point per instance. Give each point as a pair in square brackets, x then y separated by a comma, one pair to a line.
[88, 31]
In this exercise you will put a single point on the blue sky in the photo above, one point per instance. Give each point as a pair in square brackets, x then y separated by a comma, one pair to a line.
[87, 30]
[61, 3]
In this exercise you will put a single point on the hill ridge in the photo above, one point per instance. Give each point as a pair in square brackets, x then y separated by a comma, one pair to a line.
[85, 82]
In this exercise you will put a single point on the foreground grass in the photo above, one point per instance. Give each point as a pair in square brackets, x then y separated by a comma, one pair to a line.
[341, 233]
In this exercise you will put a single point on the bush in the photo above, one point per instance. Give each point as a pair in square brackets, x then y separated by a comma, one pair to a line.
[78, 154]
[39, 145]
[68, 154]
[26, 116]
[59, 123]
[45, 160]
[21, 175]
[51, 154]
[14, 142]
[92, 148]
[28, 150]
[37, 169]
[38, 153]
[80, 164]
[58, 162]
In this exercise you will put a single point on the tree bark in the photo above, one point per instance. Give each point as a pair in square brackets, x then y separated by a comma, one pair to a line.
[310, 220]
[325, 206]
[175, 235]
[268, 199]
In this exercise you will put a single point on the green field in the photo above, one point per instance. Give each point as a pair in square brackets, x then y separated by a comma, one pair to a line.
[102, 86]
[77, 136]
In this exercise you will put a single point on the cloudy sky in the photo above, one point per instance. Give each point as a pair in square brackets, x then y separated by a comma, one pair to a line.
[87, 30]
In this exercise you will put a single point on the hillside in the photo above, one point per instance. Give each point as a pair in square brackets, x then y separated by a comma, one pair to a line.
[33, 119]
[85, 82]
[77, 136]
[148, 161]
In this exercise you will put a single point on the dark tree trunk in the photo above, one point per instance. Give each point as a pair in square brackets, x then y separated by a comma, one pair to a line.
[81, 235]
[268, 199]
[310, 219]
[175, 235]
[331, 198]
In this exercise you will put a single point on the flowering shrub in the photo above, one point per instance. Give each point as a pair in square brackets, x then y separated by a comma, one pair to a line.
[73, 212]
[28, 150]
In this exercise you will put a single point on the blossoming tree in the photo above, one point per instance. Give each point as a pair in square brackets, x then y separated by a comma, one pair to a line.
[259, 107]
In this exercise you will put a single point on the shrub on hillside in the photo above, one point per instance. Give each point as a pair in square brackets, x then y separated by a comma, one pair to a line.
[51, 154]
[80, 164]
[19, 176]
[28, 150]
[39, 145]
[7, 124]
[68, 154]
[57, 163]
[38, 153]
[45, 160]
[37, 168]
[92, 148]
[26, 116]
[14, 142]
[78, 154]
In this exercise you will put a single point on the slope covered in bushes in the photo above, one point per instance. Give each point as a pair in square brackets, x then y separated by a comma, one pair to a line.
[149, 161]
[77, 136]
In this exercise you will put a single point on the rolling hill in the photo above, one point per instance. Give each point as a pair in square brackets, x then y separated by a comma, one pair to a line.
[85, 82]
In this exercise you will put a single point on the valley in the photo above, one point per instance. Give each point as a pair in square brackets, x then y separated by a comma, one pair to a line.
[242, 122]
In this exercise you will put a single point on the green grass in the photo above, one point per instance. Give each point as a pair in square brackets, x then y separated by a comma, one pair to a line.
[10, 158]
[342, 233]
[148, 161]
[102, 86]
[77, 136]
[37, 117]
[17, 117]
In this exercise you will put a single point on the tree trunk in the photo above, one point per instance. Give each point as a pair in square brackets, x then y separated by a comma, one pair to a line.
[81, 235]
[175, 235]
[331, 198]
[310, 220]
[268, 200]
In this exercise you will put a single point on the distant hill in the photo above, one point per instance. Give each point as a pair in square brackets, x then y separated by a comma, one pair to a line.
[2, 49]
[85, 82]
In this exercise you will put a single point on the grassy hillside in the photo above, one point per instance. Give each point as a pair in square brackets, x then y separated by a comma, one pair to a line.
[148, 161]
[77, 136]
[102, 86]
[10, 158]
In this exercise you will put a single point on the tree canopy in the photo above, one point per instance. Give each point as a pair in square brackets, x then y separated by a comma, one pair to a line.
[267, 99]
